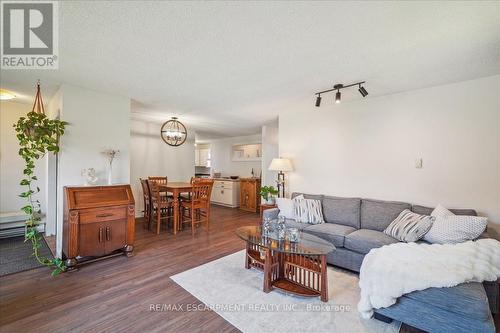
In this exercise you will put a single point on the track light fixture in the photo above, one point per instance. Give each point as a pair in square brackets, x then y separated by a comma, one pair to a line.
[362, 90]
[338, 95]
[318, 100]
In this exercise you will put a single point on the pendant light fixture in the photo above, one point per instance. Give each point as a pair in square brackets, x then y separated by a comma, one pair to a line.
[173, 132]
[338, 94]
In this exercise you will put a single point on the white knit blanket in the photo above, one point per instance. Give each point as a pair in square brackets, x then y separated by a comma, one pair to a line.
[397, 269]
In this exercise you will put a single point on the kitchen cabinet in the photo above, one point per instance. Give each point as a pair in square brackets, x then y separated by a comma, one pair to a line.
[98, 221]
[226, 193]
[202, 157]
[246, 152]
[250, 194]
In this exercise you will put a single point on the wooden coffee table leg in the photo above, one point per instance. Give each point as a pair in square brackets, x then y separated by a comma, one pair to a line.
[247, 257]
[324, 279]
[267, 271]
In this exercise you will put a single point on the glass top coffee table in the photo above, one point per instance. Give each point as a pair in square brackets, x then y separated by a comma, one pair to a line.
[294, 267]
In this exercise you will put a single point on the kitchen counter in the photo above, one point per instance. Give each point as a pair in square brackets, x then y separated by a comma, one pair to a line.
[227, 179]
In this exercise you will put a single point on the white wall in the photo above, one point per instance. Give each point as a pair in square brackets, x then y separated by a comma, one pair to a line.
[53, 111]
[368, 147]
[221, 154]
[151, 156]
[97, 121]
[11, 164]
[270, 150]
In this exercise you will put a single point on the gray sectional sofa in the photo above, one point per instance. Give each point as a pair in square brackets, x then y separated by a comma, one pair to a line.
[355, 226]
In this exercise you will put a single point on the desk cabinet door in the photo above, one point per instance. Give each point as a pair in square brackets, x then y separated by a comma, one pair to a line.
[245, 194]
[116, 235]
[91, 239]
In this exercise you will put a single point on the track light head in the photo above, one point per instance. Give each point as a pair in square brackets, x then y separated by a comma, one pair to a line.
[318, 101]
[337, 97]
[362, 91]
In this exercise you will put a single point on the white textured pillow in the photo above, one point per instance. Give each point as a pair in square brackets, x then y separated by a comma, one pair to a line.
[441, 212]
[308, 211]
[286, 207]
[452, 229]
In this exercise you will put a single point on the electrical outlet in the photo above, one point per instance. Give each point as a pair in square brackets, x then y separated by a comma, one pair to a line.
[419, 163]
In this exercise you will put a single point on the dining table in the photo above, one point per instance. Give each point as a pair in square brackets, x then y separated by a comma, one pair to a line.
[176, 188]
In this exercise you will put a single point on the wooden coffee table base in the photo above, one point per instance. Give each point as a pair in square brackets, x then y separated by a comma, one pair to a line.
[302, 275]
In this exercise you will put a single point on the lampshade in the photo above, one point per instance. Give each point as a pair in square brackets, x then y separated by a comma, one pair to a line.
[281, 164]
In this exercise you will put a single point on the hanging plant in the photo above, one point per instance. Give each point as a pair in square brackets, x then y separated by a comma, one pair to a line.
[37, 135]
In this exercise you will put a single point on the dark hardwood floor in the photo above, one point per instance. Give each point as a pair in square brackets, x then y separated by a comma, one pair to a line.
[115, 295]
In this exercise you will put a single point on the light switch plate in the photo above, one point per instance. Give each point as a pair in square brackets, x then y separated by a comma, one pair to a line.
[418, 163]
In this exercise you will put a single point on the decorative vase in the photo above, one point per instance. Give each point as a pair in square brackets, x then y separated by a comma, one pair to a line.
[110, 174]
[268, 201]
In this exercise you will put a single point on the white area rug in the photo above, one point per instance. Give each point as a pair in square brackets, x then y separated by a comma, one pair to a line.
[235, 293]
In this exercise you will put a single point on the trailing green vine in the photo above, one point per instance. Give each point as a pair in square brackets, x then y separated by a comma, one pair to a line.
[37, 135]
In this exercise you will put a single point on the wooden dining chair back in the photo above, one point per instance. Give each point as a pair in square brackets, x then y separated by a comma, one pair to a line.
[197, 179]
[199, 204]
[159, 179]
[146, 195]
[161, 205]
[202, 189]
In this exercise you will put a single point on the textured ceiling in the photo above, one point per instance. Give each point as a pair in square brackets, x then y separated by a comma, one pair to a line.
[227, 68]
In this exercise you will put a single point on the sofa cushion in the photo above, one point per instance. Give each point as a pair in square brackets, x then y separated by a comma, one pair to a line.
[466, 299]
[363, 240]
[430, 318]
[293, 224]
[422, 210]
[308, 196]
[378, 214]
[343, 211]
[334, 233]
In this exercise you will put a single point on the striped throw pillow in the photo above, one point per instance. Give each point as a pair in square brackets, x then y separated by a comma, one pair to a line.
[308, 211]
[409, 227]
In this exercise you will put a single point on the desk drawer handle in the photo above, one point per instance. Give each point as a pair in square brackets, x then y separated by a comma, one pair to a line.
[104, 215]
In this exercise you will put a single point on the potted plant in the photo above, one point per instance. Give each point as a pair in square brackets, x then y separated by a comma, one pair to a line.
[37, 136]
[268, 193]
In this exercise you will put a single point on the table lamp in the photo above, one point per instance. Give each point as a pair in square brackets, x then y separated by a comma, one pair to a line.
[282, 165]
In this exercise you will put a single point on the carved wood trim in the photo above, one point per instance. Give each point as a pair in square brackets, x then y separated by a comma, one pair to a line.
[73, 234]
[130, 225]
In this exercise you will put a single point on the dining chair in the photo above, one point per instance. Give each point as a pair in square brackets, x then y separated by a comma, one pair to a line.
[161, 205]
[187, 195]
[163, 180]
[198, 206]
[146, 196]
[160, 179]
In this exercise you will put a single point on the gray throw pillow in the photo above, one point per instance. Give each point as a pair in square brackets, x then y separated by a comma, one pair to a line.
[409, 227]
